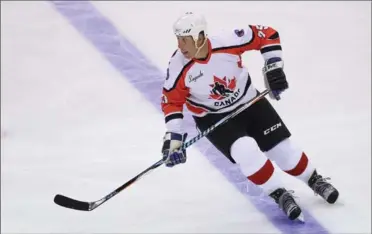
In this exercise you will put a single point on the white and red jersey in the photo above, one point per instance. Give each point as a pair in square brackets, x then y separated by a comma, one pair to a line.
[218, 83]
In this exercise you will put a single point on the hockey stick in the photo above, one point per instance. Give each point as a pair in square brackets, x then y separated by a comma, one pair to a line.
[89, 206]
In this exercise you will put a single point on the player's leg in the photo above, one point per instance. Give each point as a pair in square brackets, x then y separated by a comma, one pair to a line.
[232, 140]
[223, 136]
[274, 138]
[292, 160]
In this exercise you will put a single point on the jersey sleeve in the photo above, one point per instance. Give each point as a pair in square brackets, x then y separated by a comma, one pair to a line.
[174, 95]
[254, 37]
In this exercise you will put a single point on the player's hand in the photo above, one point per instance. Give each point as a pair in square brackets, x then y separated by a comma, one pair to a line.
[275, 79]
[172, 155]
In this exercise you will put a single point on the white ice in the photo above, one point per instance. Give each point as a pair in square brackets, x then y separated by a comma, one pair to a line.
[71, 124]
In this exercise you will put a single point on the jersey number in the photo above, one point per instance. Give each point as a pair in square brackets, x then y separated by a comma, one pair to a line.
[260, 33]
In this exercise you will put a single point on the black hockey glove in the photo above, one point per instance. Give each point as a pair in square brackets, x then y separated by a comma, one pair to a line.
[275, 79]
[172, 142]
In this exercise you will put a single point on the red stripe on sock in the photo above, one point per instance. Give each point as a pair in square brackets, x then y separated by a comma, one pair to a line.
[300, 167]
[263, 174]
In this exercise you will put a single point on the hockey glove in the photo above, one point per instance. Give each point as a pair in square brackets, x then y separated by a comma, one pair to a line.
[172, 155]
[275, 79]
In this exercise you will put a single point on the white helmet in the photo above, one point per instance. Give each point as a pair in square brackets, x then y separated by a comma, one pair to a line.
[190, 24]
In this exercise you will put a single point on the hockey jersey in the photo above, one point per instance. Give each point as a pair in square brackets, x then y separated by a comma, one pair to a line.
[218, 83]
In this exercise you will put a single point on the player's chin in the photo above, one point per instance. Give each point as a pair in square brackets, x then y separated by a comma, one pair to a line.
[186, 55]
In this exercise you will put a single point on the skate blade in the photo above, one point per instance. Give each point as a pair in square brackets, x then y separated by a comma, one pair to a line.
[301, 217]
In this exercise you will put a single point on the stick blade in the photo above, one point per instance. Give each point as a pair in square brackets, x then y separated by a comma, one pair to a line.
[71, 203]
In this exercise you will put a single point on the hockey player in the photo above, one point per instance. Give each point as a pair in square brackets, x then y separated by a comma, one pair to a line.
[206, 74]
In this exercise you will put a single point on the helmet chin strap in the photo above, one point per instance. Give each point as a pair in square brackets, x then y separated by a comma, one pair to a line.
[199, 48]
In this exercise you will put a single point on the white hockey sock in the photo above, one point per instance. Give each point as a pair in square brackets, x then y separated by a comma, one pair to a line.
[291, 160]
[255, 165]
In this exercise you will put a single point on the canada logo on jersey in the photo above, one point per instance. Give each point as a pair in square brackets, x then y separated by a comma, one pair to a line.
[223, 91]
[222, 88]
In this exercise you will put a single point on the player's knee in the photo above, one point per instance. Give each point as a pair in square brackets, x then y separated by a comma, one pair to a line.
[242, 145]
[247, 154]
[286, 154]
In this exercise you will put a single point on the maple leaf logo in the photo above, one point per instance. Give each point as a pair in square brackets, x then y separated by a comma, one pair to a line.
[222, 88]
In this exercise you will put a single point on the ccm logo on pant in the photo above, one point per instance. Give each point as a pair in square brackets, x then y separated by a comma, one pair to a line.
[273, 128]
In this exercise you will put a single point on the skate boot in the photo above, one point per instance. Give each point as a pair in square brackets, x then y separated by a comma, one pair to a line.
[320, 186]
[287, 203]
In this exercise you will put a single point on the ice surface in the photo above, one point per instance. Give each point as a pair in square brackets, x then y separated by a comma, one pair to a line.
[72, 124]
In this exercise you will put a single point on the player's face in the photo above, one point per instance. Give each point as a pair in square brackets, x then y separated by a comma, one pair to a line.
[187, 46]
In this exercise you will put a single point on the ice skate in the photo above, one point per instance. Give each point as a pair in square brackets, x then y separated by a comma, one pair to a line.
[323, 188]
[287, 203]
